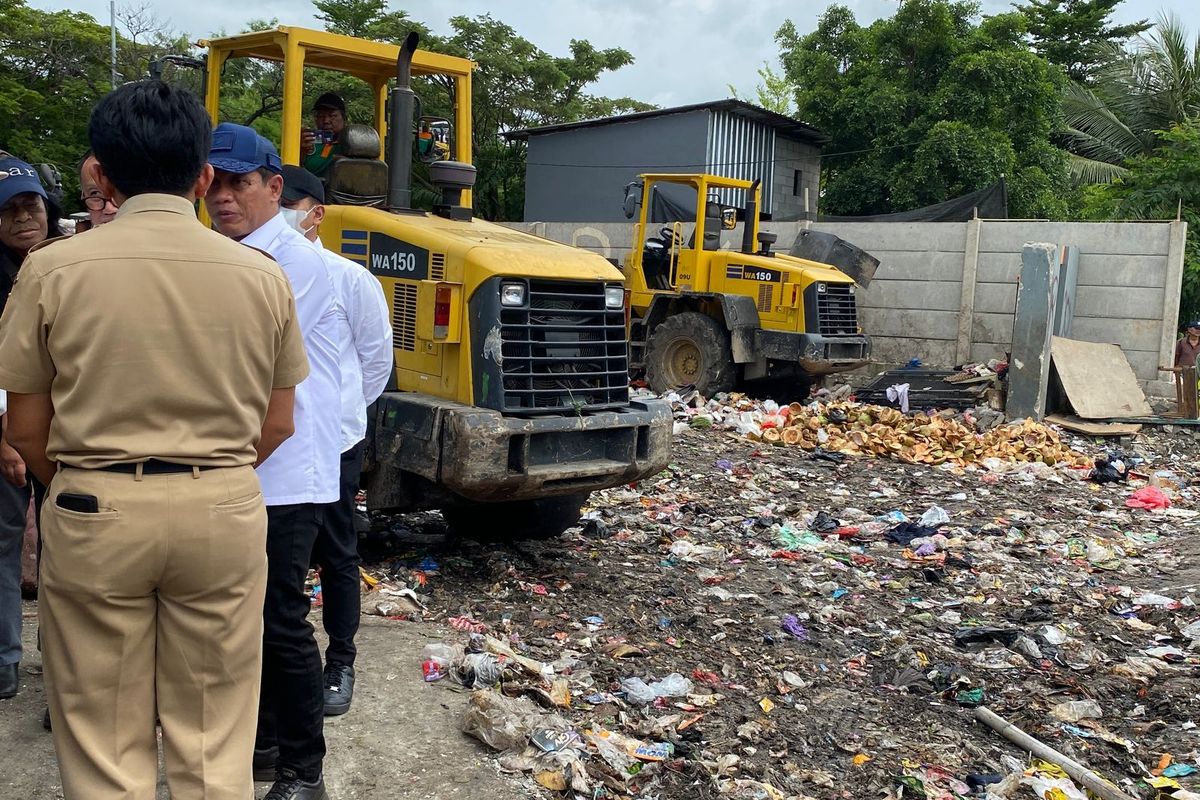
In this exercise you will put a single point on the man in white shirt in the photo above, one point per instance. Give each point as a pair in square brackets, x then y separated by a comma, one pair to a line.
[366, 361]
[299, 478]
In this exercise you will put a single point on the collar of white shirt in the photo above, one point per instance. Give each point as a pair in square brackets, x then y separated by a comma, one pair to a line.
[264, 238]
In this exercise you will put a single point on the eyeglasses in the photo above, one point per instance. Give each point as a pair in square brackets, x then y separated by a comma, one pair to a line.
[96, 202]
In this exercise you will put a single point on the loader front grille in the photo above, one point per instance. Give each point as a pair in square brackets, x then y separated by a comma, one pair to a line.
[837, 311]
[564, 350]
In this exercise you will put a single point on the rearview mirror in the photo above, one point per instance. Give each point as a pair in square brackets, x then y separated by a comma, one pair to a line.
[433, 139]
[729, 218]
[633, 199]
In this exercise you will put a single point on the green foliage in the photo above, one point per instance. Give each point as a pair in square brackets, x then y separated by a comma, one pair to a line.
[1159, 185]
[926, 105]
[516, 85]
[1131, 98]
[1076, 34]
[53, 67]
[774, 92]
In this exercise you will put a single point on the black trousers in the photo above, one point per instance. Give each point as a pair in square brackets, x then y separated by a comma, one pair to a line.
[291, 710]
[336, 553]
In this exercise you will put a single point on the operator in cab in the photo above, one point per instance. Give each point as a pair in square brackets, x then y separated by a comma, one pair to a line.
[322, 145]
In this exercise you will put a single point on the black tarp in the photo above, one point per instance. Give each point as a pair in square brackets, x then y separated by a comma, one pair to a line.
[991, 202]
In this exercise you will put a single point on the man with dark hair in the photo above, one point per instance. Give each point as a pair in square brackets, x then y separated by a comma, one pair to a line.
[322, 146]
[366, 359]
[100, 209]
[150, 365]
[300, 479]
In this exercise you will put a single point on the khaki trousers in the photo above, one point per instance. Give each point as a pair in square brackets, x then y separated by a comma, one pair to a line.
[154, 607]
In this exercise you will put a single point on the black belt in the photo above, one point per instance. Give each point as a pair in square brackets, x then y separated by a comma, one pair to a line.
[151, 467]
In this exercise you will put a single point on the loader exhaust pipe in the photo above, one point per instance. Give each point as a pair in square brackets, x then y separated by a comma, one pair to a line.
[400, 129]
[751, 217]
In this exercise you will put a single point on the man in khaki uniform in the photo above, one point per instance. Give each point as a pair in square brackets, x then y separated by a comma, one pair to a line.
[150, 365]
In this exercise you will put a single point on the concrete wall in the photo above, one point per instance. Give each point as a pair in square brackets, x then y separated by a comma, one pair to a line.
[561, 184]
[945, 292]
[792, 155]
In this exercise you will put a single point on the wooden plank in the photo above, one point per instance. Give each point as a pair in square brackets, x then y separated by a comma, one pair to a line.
[1078, 425]
[1097, 379]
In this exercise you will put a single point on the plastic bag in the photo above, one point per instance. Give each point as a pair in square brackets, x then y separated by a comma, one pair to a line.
[502, 723]
[436, 659]
[640, 693]
[1148, 497]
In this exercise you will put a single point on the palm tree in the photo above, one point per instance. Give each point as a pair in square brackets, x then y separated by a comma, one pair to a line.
[1134, 95]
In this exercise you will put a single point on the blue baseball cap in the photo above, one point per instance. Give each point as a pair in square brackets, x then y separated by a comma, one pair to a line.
[239, 149]
[17, 177]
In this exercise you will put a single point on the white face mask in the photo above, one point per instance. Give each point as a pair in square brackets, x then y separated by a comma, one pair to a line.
[295, 218]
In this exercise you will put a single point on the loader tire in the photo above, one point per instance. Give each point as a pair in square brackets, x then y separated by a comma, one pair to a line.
[522, 520]
[690, 349]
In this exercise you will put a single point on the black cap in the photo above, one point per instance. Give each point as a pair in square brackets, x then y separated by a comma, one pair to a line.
[1194, 323]
[331, 100]
[299, 183]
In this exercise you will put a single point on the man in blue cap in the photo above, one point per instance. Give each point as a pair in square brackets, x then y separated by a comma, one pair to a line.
[300, 477]
[24, 222]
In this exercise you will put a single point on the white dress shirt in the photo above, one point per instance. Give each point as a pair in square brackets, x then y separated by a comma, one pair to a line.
[306, 467]
[366, 342]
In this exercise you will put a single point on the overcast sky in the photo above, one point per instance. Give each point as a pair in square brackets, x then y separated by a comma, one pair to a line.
[685, 51]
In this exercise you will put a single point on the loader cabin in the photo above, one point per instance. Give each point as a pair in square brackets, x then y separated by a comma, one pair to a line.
[363, 180]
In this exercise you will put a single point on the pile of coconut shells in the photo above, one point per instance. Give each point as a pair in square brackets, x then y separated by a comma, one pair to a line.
[881, 432]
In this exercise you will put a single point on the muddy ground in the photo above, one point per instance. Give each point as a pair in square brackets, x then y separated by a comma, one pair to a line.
[400, 739]
[824, 662]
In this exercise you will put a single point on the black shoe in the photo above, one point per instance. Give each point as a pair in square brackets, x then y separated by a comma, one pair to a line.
[46, 719]
[290, 786]
[10, 681]
[265, 762]
[339, 689]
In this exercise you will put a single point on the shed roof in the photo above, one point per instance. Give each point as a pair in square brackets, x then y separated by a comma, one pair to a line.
[792, 127]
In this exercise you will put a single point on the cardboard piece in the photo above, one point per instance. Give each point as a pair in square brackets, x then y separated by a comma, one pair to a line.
[1077, 425]
[1097, 380]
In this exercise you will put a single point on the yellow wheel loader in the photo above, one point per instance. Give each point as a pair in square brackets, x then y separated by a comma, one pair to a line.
[708, 312]
[510, 402]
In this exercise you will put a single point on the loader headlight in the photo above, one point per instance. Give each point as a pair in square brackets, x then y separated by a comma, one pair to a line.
[614, 297]
[512, 294]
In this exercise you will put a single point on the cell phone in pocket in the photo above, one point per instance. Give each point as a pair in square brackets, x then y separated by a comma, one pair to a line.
[83, 503]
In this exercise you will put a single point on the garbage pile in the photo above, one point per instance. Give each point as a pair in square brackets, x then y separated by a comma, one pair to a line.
[855, 429]
[757, 622]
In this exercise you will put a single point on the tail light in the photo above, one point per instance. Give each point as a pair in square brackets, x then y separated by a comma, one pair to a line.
[441, 312]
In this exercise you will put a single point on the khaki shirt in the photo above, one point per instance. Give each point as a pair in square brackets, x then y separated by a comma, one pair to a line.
[155, 337]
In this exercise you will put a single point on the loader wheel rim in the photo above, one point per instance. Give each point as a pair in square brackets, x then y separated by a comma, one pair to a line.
[684, 361]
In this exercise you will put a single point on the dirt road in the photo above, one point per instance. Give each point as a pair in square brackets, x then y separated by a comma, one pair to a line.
[401, 740]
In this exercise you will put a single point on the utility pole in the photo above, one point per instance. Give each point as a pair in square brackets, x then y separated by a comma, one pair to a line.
[112, 27]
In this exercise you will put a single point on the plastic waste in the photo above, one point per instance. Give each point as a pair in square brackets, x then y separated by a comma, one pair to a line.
[640, 693]
[1075, 710]
[1148, 497]
[480, 670]
[934, 517]
[436, 659]
[792, 625]
[502, 723]
[1113, 467]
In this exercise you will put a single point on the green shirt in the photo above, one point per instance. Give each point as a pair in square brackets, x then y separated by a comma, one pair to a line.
[323, 156]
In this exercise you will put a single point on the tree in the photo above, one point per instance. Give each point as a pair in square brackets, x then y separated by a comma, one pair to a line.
[1132, 98]
[928, 104]
[1159, 185]
[1076, 34]
[53, 68]
[774, 92]
[516, 85]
